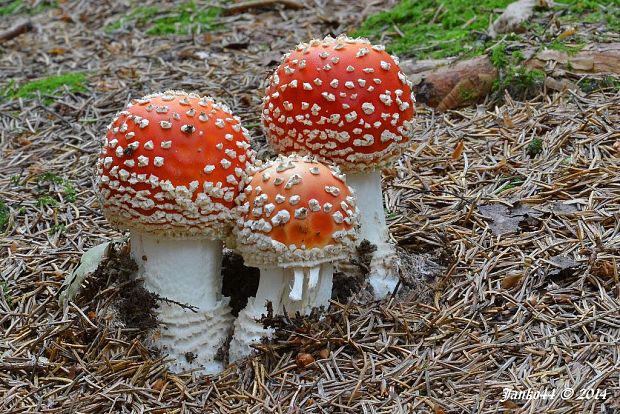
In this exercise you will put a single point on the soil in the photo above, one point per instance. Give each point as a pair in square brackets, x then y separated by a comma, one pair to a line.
[134, 305]
[240, 282]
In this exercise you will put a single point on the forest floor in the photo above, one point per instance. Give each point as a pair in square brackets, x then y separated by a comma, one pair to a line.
[507, 213]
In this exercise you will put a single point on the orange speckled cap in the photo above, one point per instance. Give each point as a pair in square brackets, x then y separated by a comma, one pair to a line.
[343, 100]
[297, 212]
[173, 164]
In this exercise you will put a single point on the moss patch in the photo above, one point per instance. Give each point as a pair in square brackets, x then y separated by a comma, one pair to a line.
[74, 82]
[434, 28]
[16, 7]
[4, 216]
[534, 147]
[589, 85]
[442, 28]
[516, 79]
[185, 18]
[68, 190]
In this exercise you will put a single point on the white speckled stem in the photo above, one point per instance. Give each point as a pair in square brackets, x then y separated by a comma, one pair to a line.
[248, 330]
[275, 286]
[188, 272]
[383, 274]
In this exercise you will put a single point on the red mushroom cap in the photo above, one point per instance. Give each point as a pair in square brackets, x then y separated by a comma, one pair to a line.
[297, 212]
[173, 164]
[343, 100]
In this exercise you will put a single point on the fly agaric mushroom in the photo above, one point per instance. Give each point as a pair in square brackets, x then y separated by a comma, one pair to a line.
[347, 102]
[170, 170]
[298, 218]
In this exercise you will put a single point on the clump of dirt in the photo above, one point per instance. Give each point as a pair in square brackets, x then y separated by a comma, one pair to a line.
[239, 281]
[350, 277]
[419, 271]
[135, 305]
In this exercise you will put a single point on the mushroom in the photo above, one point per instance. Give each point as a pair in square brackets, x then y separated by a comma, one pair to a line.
[170, 171]
[345, 101]
[299, 217]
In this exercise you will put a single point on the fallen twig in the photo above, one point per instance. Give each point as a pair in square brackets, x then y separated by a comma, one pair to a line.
[18, 29]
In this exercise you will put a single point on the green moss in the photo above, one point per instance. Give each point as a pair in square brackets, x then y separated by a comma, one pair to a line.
[4, 216]
[185, 18]
[589, 85]
[16, 7]
[466, 94]
[57, 228]
[46, 201]
[140, 15]
[563, 47]
[534, 147]
[592, 11]
[453, 31]
[6, 291]
[499, 57]
[73, 81]
[510, 183]
[67, 187]
[519, 80]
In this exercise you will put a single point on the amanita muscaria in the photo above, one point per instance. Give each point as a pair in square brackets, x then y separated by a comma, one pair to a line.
[347, 102]
[170, 171]
[298, 218]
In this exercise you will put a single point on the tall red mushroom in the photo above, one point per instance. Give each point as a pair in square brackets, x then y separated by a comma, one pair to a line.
[347, 102]
[298, 218]
[170, 171]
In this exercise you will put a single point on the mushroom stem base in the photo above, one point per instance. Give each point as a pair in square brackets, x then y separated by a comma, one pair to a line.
[194, 318]
[383, 275]
[384, 270]
[192, 339]
[312, 287]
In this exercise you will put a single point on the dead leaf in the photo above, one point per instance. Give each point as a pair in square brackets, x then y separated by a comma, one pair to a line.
[458, 150]
[510, 281]
[303, 360]
[513, 17]
[505, 220]
[158, 384]
[509, 404]
[57, 51]
[564, 267]
[507, 120]
[438, 410]
[604, 268]
[271, 58]
[126, 72]
[107, 85]
[567, 33]
[23, 140]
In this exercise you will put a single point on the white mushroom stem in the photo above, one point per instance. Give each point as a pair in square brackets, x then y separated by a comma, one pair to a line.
[187, 272]
[248, 329]
[383, 275]
[285, 289]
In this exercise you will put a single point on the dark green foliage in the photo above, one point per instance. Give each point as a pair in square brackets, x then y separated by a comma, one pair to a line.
[534, 147]
[4, 216]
